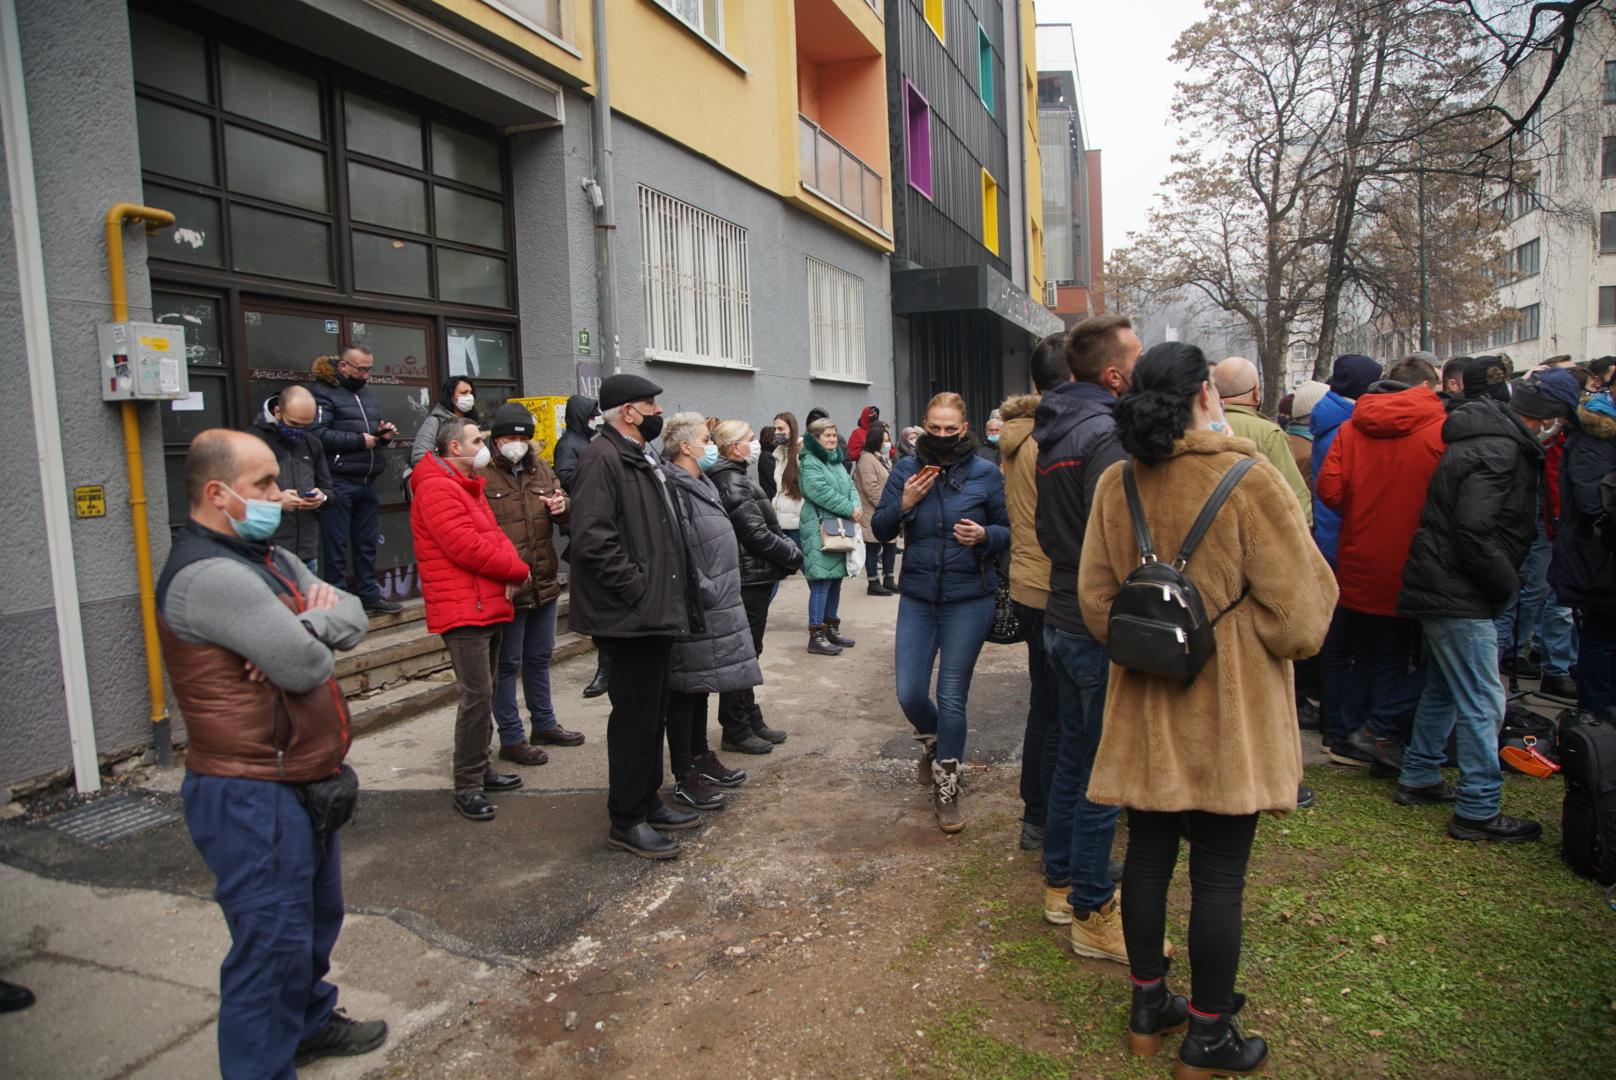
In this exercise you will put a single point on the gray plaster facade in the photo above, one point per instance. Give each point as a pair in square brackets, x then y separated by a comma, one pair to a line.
[81, 102]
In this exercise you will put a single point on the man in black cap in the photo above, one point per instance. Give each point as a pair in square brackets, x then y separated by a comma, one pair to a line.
[629, 579]
[1479, 521]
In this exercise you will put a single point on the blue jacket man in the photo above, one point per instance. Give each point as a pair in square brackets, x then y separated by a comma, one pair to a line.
[1350, 379]
[350, 428]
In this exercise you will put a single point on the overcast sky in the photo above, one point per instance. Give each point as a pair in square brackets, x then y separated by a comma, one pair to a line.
[1122, 59]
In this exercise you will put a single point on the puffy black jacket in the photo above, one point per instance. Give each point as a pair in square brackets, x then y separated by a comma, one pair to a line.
[575, 438]
[1480, 517]
[766, 555]
[1077, 441]
[630, 567]
[302, 468]
[1584, 569]
[344, 419]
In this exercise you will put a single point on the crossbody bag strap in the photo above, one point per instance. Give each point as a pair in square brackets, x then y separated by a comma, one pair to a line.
[1214, 503]
[1136, 511]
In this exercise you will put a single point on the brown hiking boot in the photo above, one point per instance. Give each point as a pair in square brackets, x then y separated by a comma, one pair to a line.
[928, 754]
[1098, 934]
[945, 796]
[1057, 908]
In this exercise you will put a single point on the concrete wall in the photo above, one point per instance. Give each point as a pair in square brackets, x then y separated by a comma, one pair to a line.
[82, 119]
[779, 240]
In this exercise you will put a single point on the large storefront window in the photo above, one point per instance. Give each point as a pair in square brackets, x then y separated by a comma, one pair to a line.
[314, 209]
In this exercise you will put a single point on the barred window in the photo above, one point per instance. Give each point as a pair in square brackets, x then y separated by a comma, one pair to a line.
[835, 323]
[693, 267]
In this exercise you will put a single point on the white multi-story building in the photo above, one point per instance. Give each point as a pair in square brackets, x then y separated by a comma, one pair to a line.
[1559, 270]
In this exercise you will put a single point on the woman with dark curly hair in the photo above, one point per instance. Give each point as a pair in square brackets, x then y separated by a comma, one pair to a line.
[1200, 761]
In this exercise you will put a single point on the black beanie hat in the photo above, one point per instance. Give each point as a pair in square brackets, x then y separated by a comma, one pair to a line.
[1487, 376]
[512, 419]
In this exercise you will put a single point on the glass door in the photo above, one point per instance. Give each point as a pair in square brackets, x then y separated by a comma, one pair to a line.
[210, 403]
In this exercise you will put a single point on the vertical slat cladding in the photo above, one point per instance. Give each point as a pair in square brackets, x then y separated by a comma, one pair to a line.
[695, 282]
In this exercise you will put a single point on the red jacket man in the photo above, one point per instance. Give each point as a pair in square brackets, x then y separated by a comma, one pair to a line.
[469, 569]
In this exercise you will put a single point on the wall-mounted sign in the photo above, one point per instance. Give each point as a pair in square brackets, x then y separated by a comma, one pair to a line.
[583, 343]
[90, 501]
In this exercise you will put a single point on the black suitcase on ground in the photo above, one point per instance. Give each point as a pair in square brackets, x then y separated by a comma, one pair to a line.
[1588, 817]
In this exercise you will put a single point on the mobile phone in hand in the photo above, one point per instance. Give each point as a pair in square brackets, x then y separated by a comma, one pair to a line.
[930, 470]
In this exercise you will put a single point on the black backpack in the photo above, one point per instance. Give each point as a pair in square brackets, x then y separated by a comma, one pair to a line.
[1588, 816]
[1158, 624]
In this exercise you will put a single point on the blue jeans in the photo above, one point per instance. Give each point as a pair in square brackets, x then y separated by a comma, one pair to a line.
[1382, 653]
[824, 598]
[956, 630]
[1078, 833]
[1537, 610]
[1041, 740]
[1462, 697]
[1343, 693]
[281, 893]
[1556, 637]
[353, 512]
[526, 647]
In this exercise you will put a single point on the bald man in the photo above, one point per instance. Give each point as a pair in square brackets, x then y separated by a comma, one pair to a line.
[1240, 387]
[305, 476]
[248, 637]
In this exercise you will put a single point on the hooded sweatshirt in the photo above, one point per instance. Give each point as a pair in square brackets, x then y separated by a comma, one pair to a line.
[1329, 414]
[580, 410]
[855, 443]
[1375, 478]
[1029, 566]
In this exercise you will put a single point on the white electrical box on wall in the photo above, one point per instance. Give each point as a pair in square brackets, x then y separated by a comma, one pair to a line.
[142, 362]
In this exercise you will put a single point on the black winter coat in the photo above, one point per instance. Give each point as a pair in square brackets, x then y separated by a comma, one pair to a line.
[302, 468]
[344, 419]
[1077, 441]
[1583, 572]
[766, 555]
[574, 439]
[1480, 517]
[630, 567]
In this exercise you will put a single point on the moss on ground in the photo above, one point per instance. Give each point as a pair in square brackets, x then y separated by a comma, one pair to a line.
[1374, 947]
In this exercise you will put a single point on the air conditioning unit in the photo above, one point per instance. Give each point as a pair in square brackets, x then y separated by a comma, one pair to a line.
[1051, 294]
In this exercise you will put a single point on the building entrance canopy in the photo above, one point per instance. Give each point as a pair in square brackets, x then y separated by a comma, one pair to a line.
[968, 288]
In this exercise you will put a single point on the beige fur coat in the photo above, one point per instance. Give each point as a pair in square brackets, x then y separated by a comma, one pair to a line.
[1228, 743]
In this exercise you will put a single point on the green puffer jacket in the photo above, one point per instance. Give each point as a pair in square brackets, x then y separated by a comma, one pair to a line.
[827, 491]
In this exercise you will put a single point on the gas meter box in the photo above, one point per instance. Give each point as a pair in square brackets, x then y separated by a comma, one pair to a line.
[142, 362]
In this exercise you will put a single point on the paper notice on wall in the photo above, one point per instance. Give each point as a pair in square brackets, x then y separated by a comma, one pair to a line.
[457, 355]
[191, 402]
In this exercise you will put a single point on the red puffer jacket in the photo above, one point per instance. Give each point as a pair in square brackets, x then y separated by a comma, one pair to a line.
[464, 557]
[1376, 477]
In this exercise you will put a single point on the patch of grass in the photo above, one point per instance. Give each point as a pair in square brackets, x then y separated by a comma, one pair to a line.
[1374, 946]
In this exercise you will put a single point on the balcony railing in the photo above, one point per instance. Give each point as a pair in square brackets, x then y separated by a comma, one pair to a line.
[833, 171]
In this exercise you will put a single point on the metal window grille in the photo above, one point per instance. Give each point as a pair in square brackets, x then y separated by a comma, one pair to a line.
[698, 299]
[835, 322]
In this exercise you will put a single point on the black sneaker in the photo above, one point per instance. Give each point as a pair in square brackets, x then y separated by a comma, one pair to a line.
[474, 806]
[1524, 667]
[341, 1037]
[1381, 750]
[500, 781]
[1032, 836]
[1430, 795]
[1502, 828]
[1305, 797]
[1559, 687]
[694, 793]
[750, 743]
[380, 606]
[716, 772]
[1344, 753]
[764, 731]
[14, 997]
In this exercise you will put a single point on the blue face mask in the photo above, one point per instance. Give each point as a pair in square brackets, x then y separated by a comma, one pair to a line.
[263, 518]
[709, 457]
[993, 438]
[1219, 426]
[290, 433]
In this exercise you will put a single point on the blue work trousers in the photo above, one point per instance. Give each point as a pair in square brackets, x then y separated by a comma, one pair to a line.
[1078, 833]
[354, 513]
[280, 889]
[525, 649]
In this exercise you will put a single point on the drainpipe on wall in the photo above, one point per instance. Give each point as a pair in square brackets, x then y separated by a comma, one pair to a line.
[605, 212]
[42, 392]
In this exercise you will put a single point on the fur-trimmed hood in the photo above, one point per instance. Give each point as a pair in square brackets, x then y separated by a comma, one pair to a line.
[1017, 414]
[1599, 425]
[1018, 406]
[325, 369]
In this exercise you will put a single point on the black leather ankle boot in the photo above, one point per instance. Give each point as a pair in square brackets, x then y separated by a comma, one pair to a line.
[1156, 1012]
[1215, 1047]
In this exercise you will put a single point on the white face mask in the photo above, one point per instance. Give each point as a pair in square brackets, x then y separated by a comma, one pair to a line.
[754, 450]
[514, 450]
[594, 423]
[484, 456]
[465, 402]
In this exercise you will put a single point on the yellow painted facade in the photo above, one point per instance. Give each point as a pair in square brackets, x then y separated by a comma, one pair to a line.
[1034, 165]
[735, 102]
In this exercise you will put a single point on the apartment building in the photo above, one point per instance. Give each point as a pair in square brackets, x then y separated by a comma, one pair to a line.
[1074, 240]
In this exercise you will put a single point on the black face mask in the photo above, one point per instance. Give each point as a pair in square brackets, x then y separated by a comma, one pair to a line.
[650, 427]
[940, 447]
[352, 384]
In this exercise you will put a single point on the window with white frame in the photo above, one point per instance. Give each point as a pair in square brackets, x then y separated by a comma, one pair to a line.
[698, 298]
[835, 323]
[705, 17]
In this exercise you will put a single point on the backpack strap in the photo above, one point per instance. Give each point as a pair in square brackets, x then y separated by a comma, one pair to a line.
[1136, 511]
[1214, 503]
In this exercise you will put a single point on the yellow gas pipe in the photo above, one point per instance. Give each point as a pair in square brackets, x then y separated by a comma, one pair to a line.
[155, 219]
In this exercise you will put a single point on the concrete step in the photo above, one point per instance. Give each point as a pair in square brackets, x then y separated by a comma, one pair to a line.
[399, 652]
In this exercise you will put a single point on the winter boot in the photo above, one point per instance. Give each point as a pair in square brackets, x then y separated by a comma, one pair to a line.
[603, 671]
[928, 755]
[889, 584]
[945, 796]
[876, 588]
[764, 731]
[833, 634]
[819, 644]
[1215, 1047]
[1157, 1011]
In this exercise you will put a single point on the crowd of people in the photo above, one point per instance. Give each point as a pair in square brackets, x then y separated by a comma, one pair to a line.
[1369, 560]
